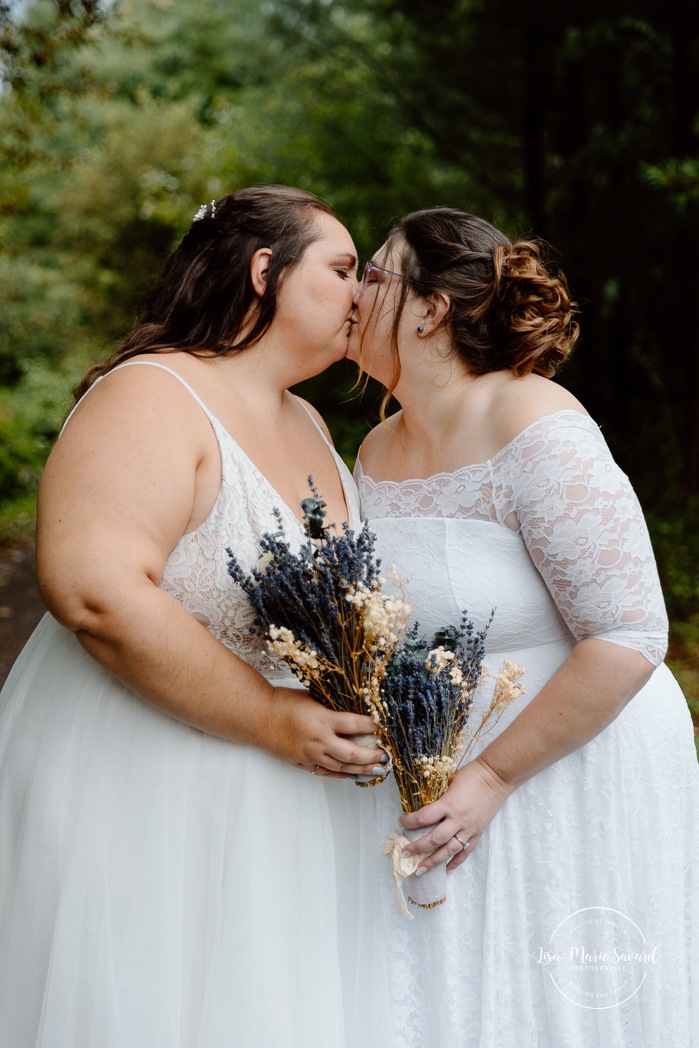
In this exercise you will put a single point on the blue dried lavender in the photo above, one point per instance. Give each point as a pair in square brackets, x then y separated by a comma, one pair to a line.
[424, 712]
[306, 592]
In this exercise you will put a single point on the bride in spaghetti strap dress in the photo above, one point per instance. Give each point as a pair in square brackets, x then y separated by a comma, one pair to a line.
[169, 878]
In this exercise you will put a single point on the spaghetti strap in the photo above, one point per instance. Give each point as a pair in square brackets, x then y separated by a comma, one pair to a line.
[317, 425]
[152, 364]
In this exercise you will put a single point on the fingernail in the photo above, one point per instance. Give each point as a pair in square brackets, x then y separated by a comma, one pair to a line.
[420, 870]
[378, 769]
[384, 758]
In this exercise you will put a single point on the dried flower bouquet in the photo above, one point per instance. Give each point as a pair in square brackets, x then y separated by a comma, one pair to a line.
[422, 710]
[322, 609]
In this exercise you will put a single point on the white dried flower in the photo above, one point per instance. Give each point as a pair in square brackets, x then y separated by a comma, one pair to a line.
[382, 614]
[456, 676]
[508, 686]
[439, 658]
[437, 769]
[285, 645]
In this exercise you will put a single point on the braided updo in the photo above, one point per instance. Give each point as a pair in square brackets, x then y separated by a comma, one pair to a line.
[508, 310]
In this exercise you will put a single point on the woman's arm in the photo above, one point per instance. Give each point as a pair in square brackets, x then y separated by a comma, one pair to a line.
[136, 468]
[578, 702]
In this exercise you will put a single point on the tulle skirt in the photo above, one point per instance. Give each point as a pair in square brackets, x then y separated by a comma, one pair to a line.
[162, 888]
[575, 922]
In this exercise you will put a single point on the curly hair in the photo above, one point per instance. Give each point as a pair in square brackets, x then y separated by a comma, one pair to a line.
[508, 310]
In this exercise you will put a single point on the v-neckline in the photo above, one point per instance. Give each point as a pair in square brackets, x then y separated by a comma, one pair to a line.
[270, 486]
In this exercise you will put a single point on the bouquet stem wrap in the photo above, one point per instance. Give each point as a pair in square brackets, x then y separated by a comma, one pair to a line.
[404, 866]
[372, 742]
[430, 889]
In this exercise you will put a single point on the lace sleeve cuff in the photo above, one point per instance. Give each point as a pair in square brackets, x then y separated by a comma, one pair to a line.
[652, 646]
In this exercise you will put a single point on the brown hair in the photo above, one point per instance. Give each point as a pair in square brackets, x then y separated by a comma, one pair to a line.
[204, 302]
[507, 312]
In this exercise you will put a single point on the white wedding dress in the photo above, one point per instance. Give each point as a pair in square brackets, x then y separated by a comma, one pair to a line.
[549, 533]
[163, 888]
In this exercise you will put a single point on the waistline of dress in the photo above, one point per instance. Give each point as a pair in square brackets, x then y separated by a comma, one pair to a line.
[563, 644]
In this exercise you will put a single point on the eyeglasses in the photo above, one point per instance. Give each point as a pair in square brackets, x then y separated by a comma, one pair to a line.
[370, 268]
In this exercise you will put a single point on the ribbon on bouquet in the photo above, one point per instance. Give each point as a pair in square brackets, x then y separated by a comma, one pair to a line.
[402, 866]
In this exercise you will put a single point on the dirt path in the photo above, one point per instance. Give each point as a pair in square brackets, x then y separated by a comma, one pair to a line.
[21, 606]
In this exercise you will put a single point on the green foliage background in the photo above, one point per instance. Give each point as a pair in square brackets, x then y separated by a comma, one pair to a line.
[578, 122]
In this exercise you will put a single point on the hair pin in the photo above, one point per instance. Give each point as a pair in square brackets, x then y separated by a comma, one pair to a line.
[201, 213]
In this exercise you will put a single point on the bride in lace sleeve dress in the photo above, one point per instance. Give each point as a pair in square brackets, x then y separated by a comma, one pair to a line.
[177, 869]
[571, 832]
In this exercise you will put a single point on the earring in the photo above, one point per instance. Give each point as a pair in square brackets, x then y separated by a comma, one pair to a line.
[420, 329]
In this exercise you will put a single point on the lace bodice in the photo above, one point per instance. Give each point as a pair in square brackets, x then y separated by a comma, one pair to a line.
[558, 490]
[196, 571]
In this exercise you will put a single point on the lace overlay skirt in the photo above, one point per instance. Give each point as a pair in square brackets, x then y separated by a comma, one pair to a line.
[612, 827]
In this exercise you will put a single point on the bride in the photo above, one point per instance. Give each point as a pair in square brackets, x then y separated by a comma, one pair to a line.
[572, 915]
[169, 837]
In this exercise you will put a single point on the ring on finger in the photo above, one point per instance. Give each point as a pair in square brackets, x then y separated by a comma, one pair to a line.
[464, 844]
[315, 769]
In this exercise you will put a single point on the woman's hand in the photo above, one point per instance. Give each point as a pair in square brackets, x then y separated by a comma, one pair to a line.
[474, 797]
[583, 697]
[309, 736]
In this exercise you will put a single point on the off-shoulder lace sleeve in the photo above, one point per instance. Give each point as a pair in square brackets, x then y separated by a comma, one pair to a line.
[585, 531]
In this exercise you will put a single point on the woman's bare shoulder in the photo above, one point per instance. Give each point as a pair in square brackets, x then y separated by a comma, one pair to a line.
[526, 400]
[136, 410]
